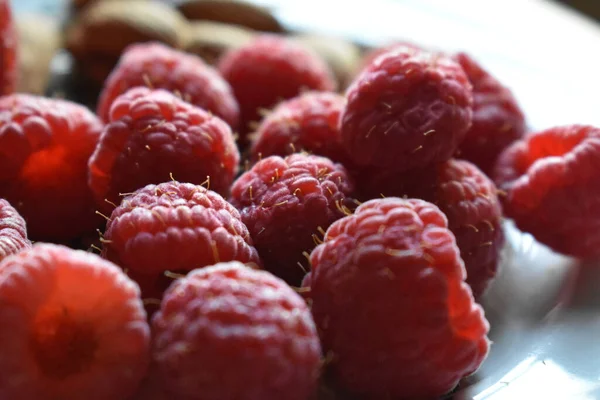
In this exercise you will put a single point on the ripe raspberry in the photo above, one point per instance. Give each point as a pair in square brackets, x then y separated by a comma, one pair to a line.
[231, 332]
[467, 197]
[270, 69]
[8, 49]
[497, 118]
[284, 202]
[45, 145]
[407, 109]
[161, 67]
[153, 136]
[177, 227]
[550, 178]
[13, 232]
[391, 305]
[77, 327]
[309, 122]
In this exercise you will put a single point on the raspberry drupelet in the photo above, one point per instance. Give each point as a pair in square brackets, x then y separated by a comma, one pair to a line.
[174, 227]
[497, 118]
[407, 109]
[230, 332]
[287, 203]
[309, 122]
[13, 231]
[158, 66]
[550, 179]
[45, 145]
[269, 69]
[154, 136]
[77, 327]
[467, 197]
[394, 314]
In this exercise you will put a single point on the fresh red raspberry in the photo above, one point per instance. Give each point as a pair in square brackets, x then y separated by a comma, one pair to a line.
[551, 184]
[309, 122]
[45, 145]
[176, 227]
[286, 203]
[270, 69]
[77, 327]
[467, 197]
[8, 49]
[160, 67]
[13, 231]
[231, 332]
[154, 136]
[389, 299]
[407, 109]
[497, 118]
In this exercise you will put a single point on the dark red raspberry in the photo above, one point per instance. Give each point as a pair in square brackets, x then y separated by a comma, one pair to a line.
[467, 197]
[497, 118]
[551, 184]
[270, 69]
[45, 145]
[176, 227]
[407, 109]
[309, 122]
[8, 49]
[13, 231]
[77, 327]
[231, 332]
[285, 203]
[154, 136]
[160, 67]
[389, 299]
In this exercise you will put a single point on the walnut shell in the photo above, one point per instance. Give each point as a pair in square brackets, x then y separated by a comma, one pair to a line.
[234, 12]
[39, 40]
[342, 55]
[210, 40]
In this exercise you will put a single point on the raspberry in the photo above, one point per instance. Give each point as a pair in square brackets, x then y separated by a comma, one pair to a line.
[153, 136]
[407, 109]
[8, 49]
[390, 302]
[162, 67]
[550, 178]
[13, 232]
[177, 227]
[309, 122]
[231, 332]
[497, 118]
[45, 145]
[285, 202]
[270, 69]
[77, 326]
[470, 201]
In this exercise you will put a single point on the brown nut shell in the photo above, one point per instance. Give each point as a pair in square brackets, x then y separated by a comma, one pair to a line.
[234, 12]
[210, 40]
[39, 40]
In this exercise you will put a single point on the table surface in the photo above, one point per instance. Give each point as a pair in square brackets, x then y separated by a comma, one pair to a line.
[544, 311]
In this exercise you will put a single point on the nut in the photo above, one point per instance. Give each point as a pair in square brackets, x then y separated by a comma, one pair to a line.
[341, 55]
[39, 40]
[210, 40]
[104, 29]
[232, 12]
